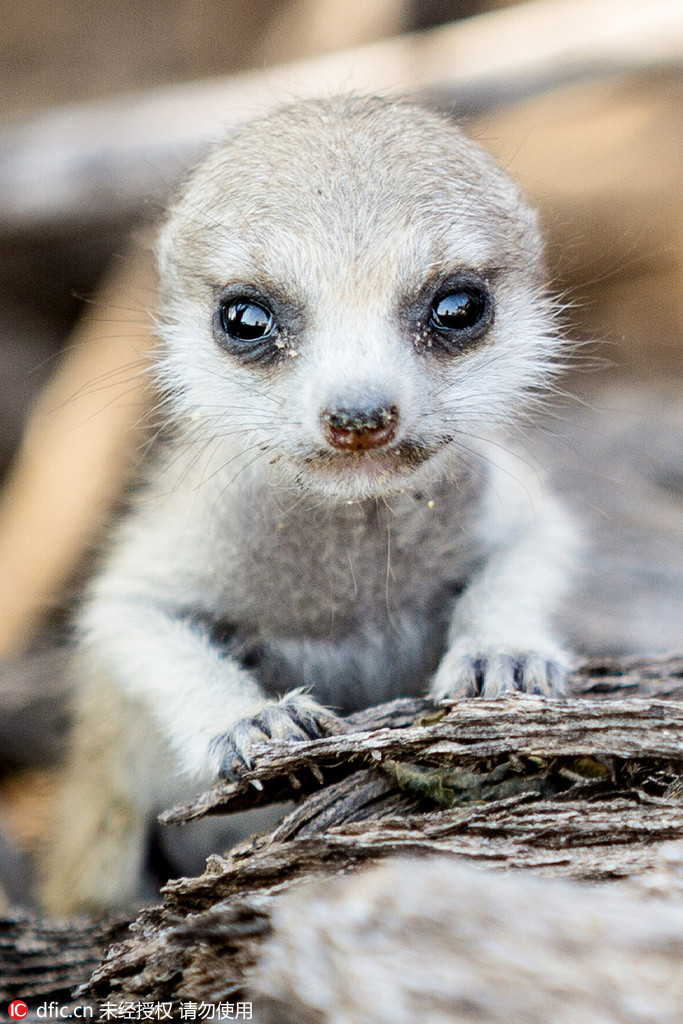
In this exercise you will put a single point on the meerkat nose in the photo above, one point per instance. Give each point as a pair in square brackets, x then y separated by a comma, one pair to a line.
[358, 430]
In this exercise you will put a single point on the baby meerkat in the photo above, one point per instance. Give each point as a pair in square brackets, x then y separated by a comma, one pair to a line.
[352, 313]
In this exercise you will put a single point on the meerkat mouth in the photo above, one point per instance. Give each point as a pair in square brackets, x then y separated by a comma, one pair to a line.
[401, 457]
[367, 472]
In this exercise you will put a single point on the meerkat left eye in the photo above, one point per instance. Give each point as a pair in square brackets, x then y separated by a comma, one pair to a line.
[463, 308]
[247, 329]
[243, 319]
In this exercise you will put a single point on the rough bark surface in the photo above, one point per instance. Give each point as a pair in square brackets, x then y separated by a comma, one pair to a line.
[587, 790]
[44, 959]
[643, 729]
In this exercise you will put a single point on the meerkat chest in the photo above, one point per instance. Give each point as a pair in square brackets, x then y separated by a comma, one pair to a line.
[320, 571]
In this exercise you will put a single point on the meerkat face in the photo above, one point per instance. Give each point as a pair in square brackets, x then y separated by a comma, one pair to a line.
[352, 289]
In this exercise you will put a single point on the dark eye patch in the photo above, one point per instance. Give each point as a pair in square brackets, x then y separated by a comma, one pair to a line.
[460, 313]
[453, 313]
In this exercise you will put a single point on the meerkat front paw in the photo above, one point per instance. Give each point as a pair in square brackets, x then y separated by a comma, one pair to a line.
[470, 670]
[295, 716]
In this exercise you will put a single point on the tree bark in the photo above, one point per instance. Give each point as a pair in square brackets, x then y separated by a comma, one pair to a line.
[583, 791]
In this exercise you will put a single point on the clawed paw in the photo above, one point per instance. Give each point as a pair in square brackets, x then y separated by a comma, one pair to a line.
[473, 673]
[295, 717]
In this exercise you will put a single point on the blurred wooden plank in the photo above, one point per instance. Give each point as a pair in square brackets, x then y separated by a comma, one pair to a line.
[100, 160]
[438, 942]
[306, 28]
[76, 453]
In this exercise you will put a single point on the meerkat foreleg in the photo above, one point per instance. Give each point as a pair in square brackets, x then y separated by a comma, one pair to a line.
[161, 712]
[500, 638]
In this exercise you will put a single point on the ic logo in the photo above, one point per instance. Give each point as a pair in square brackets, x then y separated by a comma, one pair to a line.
[17, 1009]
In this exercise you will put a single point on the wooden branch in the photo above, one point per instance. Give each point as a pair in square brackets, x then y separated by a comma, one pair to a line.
[585, 790]
[77, 452]
[474, 731]
[305, 28]
[101, 160]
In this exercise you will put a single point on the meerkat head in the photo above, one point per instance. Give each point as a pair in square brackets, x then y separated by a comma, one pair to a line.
[352, 288]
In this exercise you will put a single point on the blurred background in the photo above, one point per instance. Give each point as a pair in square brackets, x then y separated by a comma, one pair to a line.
[102, 107]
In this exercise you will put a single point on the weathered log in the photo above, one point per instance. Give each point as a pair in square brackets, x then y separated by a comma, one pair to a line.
[44, 959]
[205, 942]
[440, 943]
[586, 790]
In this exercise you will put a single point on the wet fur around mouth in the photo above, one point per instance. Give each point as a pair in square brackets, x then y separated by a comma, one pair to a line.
[376, 473]
[405, 455]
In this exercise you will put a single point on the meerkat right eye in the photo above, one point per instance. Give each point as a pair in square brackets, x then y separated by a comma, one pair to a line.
[459, 314]
[459, 310]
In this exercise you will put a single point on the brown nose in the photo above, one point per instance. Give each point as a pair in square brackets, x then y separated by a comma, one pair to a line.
[358, 430]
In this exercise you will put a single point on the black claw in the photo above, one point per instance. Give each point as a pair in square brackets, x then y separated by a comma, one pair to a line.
[263, 722]
[478, 669]
[307, 723]
[518, 670]
[556, 678]
[285, 719]
[230, 762]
